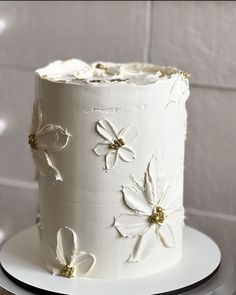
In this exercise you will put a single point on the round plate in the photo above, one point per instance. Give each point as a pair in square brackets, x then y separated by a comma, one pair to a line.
[20, 260]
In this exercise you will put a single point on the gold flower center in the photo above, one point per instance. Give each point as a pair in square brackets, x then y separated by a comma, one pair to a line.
[68, 271]
[100, 67]
[32, 141]
[185, 75]
[117, 143]
[158, 216]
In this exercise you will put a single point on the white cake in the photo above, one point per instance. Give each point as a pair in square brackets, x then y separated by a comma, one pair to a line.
[108, 143]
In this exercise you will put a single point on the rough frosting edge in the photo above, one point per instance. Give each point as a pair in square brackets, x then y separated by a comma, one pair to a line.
[75, 71]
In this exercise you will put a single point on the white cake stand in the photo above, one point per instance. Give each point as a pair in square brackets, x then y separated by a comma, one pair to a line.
[20, 261]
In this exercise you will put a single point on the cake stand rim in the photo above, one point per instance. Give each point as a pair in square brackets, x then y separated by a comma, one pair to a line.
[28, 287]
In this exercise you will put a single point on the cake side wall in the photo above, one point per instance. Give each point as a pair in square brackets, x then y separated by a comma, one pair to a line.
[89, 199]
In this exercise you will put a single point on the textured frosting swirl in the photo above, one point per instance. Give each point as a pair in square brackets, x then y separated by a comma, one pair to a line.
[75, 71]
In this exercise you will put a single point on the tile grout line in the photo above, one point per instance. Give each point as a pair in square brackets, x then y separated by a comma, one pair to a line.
[212, 87]
[18, 183]
[148, 32]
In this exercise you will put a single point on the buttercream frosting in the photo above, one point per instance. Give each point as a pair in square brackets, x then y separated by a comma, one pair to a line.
[75, 71]
[110, 122]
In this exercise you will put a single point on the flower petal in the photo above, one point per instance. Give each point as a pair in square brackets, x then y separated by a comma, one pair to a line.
[45, 166]
[83, 263]
[111, 159]
[155, 180]
[106, 130]
[53, 265]
[150, 178]
[37, 117]
[102, 149]
[132, 225]
[135, 201]
[52, 138]
[149, 190]
[139, 184]
[166, 235]
[144, 245]
[67, 245]
[128, 133]
[126, 153]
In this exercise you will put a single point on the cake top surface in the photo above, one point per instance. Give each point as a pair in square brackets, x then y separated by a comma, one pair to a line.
[75, 71]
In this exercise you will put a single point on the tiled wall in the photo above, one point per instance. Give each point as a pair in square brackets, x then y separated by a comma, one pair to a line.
[196, 36]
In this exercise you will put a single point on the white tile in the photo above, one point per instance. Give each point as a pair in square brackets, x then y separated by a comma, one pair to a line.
[37, 32]
[197, 36]
[210, 174]
[18, 208]
[16, 100]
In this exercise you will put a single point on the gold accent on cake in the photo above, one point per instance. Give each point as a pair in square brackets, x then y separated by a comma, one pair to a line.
[100, 67]
[185, 75]
[32, 141]
[118, 80]
[157, 216]
[68, 271]
[95, 81]
[117, 144]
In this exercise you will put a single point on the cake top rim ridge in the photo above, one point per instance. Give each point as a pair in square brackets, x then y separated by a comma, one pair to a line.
[78, 72]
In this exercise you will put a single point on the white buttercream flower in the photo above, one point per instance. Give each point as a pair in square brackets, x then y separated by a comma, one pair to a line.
[67, 260]
[45, 139]
[116, 143]
[156, 208]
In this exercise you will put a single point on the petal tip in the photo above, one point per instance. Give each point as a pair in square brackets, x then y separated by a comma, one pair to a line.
[68, 134]
[58, 178]
[131, 259]
[95, 151]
